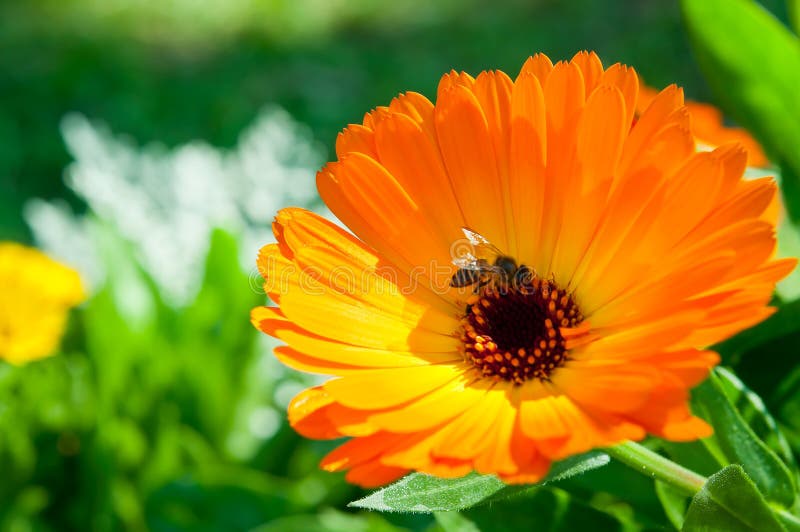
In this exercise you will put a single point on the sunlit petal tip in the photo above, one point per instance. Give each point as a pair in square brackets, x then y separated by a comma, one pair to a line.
[535, 269]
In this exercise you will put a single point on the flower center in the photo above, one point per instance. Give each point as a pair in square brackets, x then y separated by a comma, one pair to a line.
[515, 332]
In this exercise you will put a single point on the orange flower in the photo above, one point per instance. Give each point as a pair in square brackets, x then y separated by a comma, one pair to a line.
[708, 128]
[637, 253]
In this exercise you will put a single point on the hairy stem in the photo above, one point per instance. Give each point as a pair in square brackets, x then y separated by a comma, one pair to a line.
[657, 467]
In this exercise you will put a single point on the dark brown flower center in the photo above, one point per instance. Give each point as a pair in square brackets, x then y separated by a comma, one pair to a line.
[514, 332]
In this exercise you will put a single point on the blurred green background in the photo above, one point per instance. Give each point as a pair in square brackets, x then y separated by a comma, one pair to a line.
[177, 70]
[165, 410]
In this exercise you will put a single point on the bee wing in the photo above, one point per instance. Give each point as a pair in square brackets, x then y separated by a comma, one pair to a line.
[467, 261]
[476, 239]
[483, 248]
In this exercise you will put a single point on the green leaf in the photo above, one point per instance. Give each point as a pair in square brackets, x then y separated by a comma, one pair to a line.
[704, 457]
[754, 412]
[553, 509]
[789, 521]
[454, 522]
[730, 502]
[767, 359]
[219, 499]
[754, 75]
[739, 444]
[620, 490]
[328, 520]
[673, 502]
[423, 493]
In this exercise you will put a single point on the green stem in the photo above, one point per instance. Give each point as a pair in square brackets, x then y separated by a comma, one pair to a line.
[654, 465]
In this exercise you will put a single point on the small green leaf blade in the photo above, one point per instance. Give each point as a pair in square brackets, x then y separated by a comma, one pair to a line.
[422, 493]
[730, 501]
[425, 494]
[576, 465]
[673, 502]
[754, 412]
[740, 445]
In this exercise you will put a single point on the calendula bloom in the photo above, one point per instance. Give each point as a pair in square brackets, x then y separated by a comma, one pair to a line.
[709, 128]
[36, 294]
[619, 254]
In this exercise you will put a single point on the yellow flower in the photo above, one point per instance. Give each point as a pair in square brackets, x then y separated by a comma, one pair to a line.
[36, 294]
[529, 275]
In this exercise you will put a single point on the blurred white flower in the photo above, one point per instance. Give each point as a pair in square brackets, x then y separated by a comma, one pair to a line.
[165, 203]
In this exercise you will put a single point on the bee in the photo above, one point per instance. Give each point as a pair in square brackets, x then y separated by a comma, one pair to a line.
[486, 265]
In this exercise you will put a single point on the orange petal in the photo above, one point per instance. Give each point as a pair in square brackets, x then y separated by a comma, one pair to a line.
[468, 435]
[323, 349]
[540, 413]
[538, 65]
[527, 158]
[432, 410]
[374, 474]
[564, 100]
[418, 108]
[466, 147]
[626, 80]
[355, 138]
[307, 414]
[591, 68]
[376, 389]
[615, 389]
[493, 91]
[496, 456]
[358, 451]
